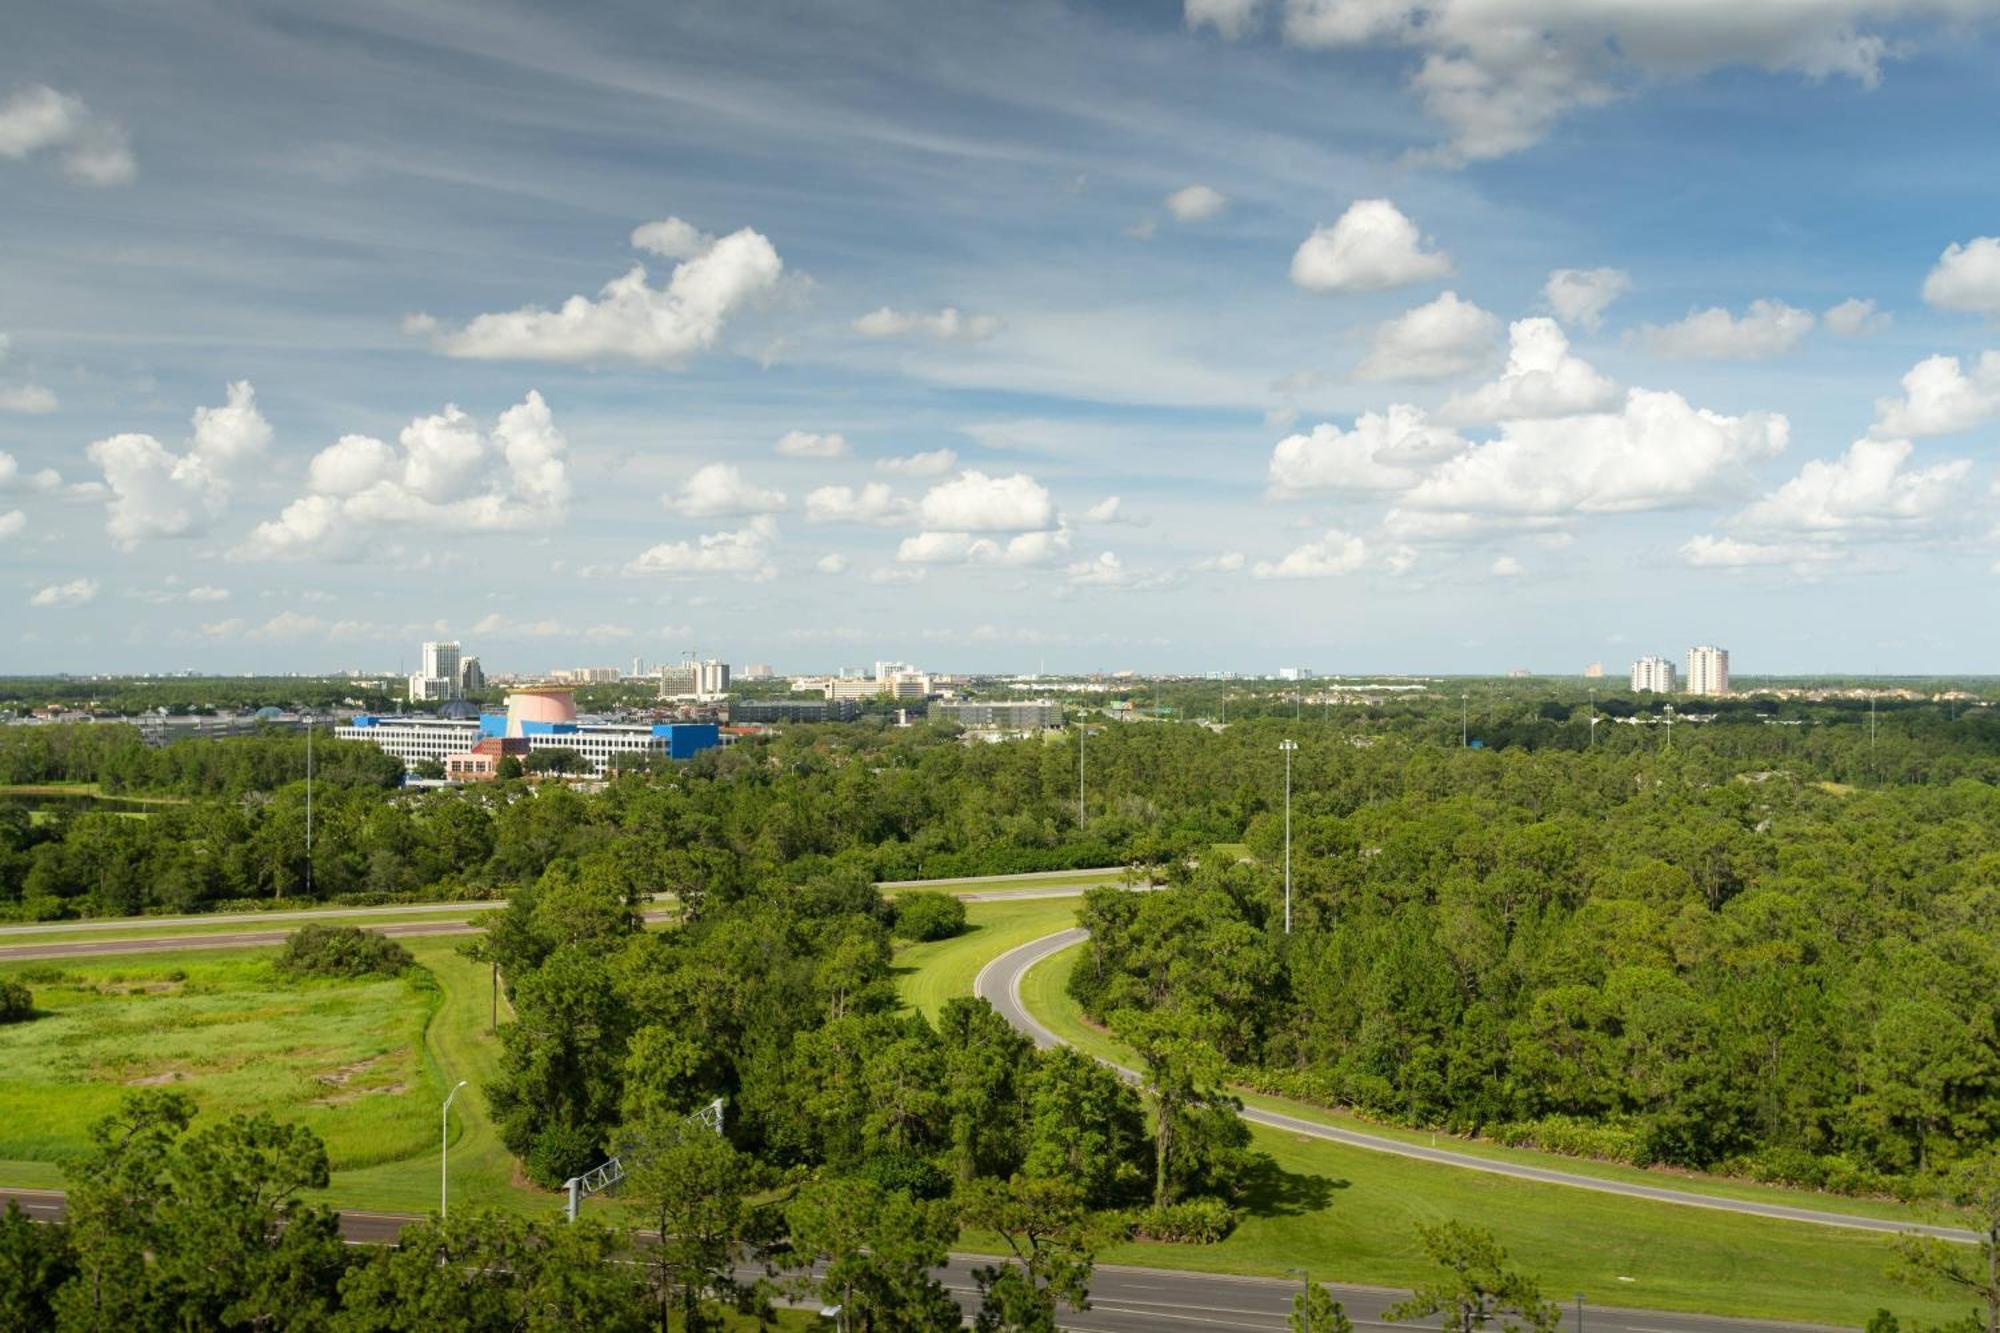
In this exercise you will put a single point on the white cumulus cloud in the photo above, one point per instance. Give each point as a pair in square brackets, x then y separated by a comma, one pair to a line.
[76, 592]
[1967, 277]
[1383, 451]
[1196, 203]
[719, 490]
[1371, 248]
[1868, 487]
[1940, 397]
[1580, 296]
[947, 325]
[1542, 379]
[744, 554]
[1435, 341]
[1766, 329]
[92, 147]
[873, 503]
[12, 522]
[445, 476]
[1334, 553]
[807, 444]
[631, 321]
[155, 492]
[1654, 453]
[927, 463]
[975, 502]
[1854, 318]
[968, 548]
[831, 563]
[1708, 551]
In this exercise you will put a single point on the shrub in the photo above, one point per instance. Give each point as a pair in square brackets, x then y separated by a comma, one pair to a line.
[341, 951]
[929, 916]
[16, 1001]
[1194, 1222]
[561, 1151]
[907, 1172]
[43, 974]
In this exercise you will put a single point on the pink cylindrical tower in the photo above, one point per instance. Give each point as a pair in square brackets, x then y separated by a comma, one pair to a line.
[540, 709]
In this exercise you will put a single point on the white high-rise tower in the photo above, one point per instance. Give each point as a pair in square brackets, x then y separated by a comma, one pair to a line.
[1708, 670]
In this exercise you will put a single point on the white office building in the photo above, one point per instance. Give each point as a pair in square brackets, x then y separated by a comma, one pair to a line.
[1652, 675]
[1708, 670]
[437, 676]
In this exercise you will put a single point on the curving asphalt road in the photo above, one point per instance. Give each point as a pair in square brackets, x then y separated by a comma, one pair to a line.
[1128, 1299]
[999, 984]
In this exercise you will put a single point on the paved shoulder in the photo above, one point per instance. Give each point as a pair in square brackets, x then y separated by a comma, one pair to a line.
[999, 983]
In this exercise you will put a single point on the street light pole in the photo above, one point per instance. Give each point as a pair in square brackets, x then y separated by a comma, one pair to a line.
[444, 1148]
[1288, 745]
[1464, 724]
[1082, 730]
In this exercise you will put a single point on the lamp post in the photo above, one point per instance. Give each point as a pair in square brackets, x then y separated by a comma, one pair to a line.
[1288, 745]
[1082, 730]
[444, 1149]
[1464, 724]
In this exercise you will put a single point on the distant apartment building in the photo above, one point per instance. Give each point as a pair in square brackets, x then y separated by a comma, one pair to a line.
[1652, 675]
[1295, 673]
[690, 679]
[1595, 671]
[904, 684]
[1001, 715]
[437, 678]
[757, 671]
[793, 710]
[1708, 670]
[471, 676]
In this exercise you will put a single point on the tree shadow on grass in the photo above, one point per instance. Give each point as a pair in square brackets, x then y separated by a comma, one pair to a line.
[1271, 1191]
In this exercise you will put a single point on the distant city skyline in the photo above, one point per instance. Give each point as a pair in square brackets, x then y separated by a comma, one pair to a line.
[1099, 335]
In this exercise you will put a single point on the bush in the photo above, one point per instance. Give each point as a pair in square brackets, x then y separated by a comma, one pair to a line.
[560, 1152]
[1195, 1222]
[929, 916]
[17, 1002]
[341, 951]
[906, 1172]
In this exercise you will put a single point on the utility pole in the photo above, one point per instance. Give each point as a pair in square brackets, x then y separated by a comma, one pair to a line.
[1464, 724]
[1288, 745]
[1083, 729]
[309, 810]
[1593, 719]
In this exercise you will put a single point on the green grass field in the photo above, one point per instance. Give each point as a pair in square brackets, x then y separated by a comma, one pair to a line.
[1348, 1215]
[342, 1058]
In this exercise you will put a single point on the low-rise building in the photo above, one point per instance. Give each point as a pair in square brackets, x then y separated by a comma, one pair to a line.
[1000, 714]
[540, 718]
[793, 710]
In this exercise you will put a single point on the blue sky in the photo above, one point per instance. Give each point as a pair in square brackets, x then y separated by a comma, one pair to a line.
[1021, 260]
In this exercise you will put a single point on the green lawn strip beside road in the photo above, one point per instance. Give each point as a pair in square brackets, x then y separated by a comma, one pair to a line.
[138, 928]
[1043, 991]
[91, 789]
[928, 974]
[1348, 1214]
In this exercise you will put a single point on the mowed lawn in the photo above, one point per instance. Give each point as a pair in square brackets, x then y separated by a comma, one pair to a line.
[1349, 1215]
[929, 974]
[344, 1059]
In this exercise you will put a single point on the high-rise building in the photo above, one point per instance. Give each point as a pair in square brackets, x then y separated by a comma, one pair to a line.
[471, 676]
[1652, 675]
[711, 679]
[638, 667]
[690, 679]
[437, 677]
[757, 671]
[1708, 670]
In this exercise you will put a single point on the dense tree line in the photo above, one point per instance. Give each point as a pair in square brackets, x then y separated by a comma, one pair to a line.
[112, 755]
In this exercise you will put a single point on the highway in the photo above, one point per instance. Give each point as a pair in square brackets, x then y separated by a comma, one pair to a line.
[1133, 1300]
[999, 984]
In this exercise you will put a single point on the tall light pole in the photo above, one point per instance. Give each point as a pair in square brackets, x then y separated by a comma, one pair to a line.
[1288, 745]
[444, 1149]
[1082, 730]
[1464, 724]
[1593, 719]
[309, 807]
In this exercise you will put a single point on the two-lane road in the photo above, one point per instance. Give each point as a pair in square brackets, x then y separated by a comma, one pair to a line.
[1124, 1299]
[999, 984]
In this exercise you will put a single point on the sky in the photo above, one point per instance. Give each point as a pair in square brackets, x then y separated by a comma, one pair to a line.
[1363, 335]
